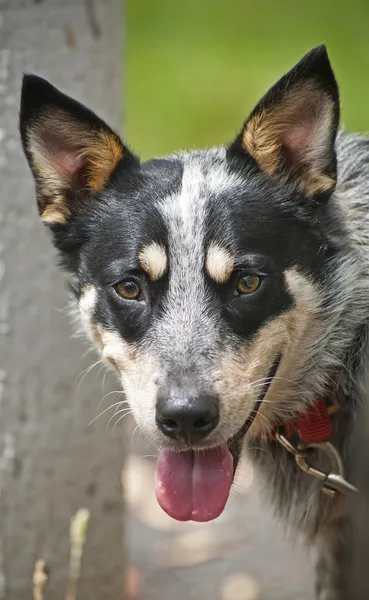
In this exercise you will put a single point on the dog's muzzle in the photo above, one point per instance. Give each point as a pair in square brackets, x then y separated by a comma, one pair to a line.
[195, 484]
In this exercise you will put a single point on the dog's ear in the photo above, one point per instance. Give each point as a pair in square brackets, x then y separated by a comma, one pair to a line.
[291, 132]
[72, 153]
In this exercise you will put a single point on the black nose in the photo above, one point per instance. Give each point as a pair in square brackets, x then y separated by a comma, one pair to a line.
[189, 419]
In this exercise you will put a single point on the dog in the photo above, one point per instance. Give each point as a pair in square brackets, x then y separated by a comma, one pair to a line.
[228, 289]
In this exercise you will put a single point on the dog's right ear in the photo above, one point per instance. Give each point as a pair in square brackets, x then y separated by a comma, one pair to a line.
[72, 152]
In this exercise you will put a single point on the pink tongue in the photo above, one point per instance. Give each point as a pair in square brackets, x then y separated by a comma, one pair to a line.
[194, 485]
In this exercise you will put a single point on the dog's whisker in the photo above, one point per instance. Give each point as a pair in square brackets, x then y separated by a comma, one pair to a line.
[103, 412]
[134, 431]
[237, 486]
[259, 449]
[84, 374]
[264, 417]
[150, 442]
[116, 392]
[104, 380]
[267, 380]
[102, 369]
[149, 456]
[123, 413]
[90, 350]
[119, 407]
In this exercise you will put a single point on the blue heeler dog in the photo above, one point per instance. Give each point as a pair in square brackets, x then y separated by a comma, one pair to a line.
[229, 290]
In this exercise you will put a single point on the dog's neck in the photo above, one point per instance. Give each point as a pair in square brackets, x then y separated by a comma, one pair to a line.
[313, 425]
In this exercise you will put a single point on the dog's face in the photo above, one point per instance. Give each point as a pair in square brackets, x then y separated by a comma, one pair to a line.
[197, 275]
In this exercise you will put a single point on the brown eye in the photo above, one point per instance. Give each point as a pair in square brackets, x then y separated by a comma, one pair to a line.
[128, 289]
[248, 284]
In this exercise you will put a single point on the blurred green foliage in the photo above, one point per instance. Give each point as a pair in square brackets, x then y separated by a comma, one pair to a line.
[195, 68]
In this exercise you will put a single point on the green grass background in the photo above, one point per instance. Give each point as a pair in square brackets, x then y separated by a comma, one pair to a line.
[195, 68]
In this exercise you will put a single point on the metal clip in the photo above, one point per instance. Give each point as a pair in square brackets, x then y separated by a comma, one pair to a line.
[334, 481]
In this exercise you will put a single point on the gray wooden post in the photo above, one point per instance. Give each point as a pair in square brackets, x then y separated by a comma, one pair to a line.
[51, 463]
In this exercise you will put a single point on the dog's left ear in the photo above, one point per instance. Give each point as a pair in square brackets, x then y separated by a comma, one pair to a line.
[291, 133]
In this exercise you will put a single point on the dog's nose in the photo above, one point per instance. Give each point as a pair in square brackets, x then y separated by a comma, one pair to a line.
[189, 419]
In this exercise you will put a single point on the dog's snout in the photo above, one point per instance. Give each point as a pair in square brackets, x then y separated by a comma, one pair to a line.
[188, 419]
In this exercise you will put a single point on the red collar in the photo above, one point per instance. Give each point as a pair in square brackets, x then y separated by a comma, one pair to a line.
[313, 426]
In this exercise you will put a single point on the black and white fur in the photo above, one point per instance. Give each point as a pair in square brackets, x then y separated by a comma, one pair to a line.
[288, 200]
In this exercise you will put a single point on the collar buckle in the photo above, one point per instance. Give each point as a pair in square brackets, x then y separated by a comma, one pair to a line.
[334, 481]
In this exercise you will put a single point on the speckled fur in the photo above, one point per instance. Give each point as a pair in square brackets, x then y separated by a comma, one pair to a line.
[342, 349]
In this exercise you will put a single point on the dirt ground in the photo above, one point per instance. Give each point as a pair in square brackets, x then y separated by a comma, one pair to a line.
[243, 555]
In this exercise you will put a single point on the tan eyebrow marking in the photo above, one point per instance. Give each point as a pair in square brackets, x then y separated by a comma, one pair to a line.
[153, 259]
[219, 263]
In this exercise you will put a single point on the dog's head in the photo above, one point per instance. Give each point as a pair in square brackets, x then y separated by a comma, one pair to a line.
[198, 276]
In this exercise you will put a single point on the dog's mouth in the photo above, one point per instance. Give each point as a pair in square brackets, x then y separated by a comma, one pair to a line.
[235, 443]
[195, 484]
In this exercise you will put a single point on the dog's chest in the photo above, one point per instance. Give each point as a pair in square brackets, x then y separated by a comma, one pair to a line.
[296, 497]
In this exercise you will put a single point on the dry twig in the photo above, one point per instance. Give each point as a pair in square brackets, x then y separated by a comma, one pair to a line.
[78, 531]
[39, 580]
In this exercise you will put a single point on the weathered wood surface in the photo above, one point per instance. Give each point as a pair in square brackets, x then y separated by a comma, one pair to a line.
[51, 463]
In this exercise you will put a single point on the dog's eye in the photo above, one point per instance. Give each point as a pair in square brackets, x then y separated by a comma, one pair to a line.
[248, 284]
[128, 289]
